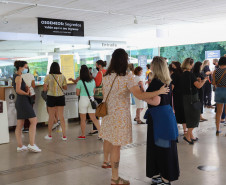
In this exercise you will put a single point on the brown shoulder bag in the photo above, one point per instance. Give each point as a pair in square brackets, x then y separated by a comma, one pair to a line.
[101, 110]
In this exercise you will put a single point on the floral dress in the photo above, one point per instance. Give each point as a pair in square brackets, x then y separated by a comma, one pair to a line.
[117, 124]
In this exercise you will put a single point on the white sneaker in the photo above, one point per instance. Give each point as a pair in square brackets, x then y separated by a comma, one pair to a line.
[34, 148]
[55, 125]
[64, 138]
[21, 149]
[47, 137]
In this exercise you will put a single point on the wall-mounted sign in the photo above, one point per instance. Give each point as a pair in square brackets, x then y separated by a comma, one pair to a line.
[60, 27]
[105, 45]
[67, 66]
[142, 62]
[213, 54]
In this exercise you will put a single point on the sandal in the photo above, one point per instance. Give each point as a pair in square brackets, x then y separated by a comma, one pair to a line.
[189, 142]
[124, 182]
[106, 165]
[140, 122]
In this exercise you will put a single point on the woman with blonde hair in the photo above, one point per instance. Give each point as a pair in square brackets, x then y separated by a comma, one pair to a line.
[162, 159]
[207, 88]
[116, 128]
[192, 105]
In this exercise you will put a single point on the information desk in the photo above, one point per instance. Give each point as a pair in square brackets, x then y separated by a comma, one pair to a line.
[4, 131]
[71, 109]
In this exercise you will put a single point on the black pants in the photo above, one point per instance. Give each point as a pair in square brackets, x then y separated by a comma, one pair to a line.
[207, 94]
[98, 101]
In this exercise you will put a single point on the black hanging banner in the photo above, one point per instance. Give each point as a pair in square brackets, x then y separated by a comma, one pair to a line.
[48, 26]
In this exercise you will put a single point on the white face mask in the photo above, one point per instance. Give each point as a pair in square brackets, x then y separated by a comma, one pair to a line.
[25, 71]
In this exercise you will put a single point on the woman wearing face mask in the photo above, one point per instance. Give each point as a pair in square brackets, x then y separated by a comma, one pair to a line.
[24, 109]
[100, 64]
[29, 79]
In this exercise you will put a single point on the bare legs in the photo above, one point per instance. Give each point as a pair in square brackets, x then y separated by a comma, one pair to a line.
[184, 128]
[60, 111]
[107, 151]
[218, 115]
[189, 135]
[18, 132]
[83, 122]
[138, 111]
[54, 113]
[32, 131]
[112, 152]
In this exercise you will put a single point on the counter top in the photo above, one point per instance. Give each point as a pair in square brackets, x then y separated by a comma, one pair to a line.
[3, 88]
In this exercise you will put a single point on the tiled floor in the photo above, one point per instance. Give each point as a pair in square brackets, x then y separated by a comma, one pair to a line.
[76, 162]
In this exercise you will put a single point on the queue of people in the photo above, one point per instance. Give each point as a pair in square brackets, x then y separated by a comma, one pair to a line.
[174, 95]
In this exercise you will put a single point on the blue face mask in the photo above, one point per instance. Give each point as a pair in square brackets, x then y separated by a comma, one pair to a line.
[25, 71]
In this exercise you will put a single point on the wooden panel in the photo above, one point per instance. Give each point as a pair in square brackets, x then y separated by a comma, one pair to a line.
[2, 93]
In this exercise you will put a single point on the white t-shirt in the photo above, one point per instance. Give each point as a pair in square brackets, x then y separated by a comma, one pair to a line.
[28, 78]
[138, 79]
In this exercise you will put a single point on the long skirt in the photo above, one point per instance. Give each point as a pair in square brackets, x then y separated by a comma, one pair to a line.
[161, 161]
[192, 115]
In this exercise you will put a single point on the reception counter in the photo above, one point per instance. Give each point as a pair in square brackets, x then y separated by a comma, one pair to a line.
[71, 109]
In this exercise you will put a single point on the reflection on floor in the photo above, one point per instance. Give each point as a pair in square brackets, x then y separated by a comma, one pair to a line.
[77, 162]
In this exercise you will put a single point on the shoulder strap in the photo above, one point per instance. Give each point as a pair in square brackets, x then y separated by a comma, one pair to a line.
[102, 78]
[214, 78]
[86, 89]
[111, 87]
[58, 84]
[221, 78]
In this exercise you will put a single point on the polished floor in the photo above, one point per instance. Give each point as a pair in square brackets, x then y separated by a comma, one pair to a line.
[77, 162]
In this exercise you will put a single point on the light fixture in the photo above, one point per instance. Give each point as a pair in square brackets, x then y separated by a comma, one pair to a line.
[135, 20]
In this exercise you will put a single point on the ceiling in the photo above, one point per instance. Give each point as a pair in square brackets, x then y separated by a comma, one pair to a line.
[186, 22]
[108, 18]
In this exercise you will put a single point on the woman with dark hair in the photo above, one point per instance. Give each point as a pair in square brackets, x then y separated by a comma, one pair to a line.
[140, 105]
[207, 88]
[54, 83]
[100, 64]
[24, 109]
[219, 80]
[200, 77]
[190, 88]
[86, 81]
[116, 127]
[177, 94]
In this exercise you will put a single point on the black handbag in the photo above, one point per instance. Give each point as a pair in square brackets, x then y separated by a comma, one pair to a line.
[31, 99]
[94, 103]
[195, 104]
[44, 95]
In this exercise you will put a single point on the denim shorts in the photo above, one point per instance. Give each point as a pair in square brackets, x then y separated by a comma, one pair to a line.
[220, 95]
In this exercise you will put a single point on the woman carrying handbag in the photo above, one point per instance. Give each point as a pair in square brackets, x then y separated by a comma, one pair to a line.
[85, 89]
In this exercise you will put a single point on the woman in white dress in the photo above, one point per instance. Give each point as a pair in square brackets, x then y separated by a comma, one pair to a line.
[140, 104]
